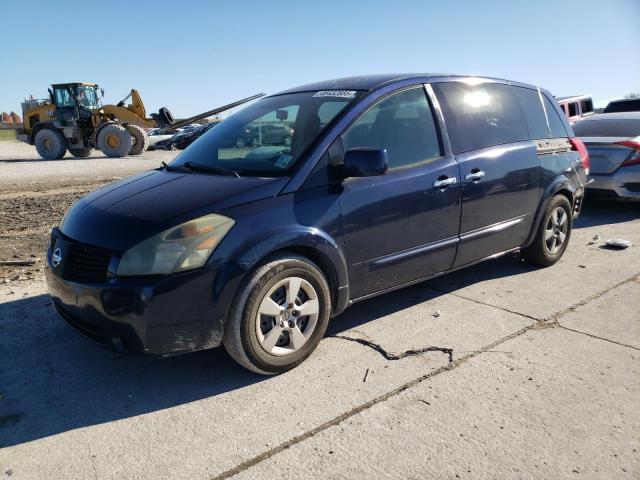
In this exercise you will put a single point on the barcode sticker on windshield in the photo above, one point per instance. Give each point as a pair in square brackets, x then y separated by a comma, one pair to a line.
[336, 93]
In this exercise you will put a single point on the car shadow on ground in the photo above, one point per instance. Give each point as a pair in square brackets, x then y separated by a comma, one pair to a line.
[606, 212]
[53, 381]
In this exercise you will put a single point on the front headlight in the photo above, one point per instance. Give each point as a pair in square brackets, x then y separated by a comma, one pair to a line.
[179, 248]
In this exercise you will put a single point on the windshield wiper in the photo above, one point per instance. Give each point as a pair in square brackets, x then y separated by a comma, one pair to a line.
[210, 168]
[175, 168]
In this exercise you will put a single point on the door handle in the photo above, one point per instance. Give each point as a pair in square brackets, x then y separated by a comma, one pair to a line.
[443, 183]
[475, 175]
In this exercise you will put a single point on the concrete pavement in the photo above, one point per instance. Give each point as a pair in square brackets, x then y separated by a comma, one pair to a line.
[523, 397]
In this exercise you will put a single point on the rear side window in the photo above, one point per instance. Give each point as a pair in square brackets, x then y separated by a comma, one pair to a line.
[533, 112]
[555, 123]
[479, 116]
[403, 124]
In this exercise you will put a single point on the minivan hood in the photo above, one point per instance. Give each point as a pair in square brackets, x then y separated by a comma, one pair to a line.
[122, 214]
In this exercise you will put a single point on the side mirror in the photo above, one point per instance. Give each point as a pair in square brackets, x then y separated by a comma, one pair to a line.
[365, 162]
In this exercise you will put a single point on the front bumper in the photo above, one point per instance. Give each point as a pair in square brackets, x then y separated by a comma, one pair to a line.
[624, 183]
[150, 316]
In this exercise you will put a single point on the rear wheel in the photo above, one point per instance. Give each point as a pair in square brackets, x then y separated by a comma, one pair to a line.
[280, 317]
[114, 141]
[50, 144]
[140, 140]
[80, 152]
[553, 234]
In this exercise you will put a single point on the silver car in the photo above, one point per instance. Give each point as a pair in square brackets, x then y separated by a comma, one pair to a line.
[613, 142]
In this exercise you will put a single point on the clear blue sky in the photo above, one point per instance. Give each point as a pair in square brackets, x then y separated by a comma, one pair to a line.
[194, 55]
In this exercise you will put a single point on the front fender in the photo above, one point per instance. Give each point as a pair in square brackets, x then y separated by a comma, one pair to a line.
[317, 244]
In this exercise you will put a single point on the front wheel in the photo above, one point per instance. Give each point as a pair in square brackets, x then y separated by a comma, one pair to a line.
[114, 141]
[280, 317]
[553, 234]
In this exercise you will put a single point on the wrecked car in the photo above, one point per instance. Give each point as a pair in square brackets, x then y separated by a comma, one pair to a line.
[387, 180]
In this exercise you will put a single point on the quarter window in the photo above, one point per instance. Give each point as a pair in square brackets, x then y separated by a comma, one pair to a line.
[479, 116]
[403, 124]
[555, 123]
[533, 112]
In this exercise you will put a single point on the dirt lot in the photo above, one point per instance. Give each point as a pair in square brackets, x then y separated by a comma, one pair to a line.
[543, 379]
[34, 195]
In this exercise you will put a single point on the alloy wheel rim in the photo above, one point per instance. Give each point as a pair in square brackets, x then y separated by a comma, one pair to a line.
[287, 316]
[555, 233]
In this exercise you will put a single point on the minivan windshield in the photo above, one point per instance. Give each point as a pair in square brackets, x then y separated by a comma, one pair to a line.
[269, 136]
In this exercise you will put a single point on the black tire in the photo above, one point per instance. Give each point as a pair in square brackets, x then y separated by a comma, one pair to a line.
[50, 144]
[114, 141]
[241, 336]
[546, 249]
[140, 140]
[80, 152]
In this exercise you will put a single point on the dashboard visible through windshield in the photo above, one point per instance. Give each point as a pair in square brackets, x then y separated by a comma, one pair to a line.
[269, 136]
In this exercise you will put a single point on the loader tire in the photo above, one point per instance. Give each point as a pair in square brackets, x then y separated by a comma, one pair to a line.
[140, 140]
[80, 152]
[114, 141]
[50, 144]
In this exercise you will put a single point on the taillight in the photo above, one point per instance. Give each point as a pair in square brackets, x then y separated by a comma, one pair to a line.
[634, 158]
[578, 146]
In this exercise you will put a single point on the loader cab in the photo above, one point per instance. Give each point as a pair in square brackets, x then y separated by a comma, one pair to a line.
[74, 101]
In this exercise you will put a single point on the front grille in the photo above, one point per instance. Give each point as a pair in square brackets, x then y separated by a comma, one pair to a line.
[86, 263]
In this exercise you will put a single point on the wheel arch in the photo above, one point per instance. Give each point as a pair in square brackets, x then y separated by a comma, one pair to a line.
[560, 186]
[317, 257]
[307, 242]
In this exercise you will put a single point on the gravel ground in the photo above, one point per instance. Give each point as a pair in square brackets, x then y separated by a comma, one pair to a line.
[35, 194]
[21, 169]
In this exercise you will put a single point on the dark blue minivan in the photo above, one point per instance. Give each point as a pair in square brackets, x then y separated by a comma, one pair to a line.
[385, 181]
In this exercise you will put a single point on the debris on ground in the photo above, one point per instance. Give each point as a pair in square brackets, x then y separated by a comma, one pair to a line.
[594, 240]
[618, 243]
[18, 263]
[436, 314]
[365, 376]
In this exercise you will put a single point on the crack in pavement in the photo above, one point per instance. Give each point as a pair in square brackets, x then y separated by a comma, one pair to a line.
[480, 302]
[584, 301]
[550, 323]
[599, 338]
[392, 356]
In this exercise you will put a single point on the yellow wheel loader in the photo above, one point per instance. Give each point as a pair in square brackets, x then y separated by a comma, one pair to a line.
[73, 119]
